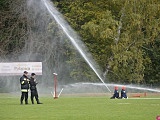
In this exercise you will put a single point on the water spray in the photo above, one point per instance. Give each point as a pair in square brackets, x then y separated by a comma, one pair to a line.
[72, 36]
[52, 94]
[60, 92]
[127, 86]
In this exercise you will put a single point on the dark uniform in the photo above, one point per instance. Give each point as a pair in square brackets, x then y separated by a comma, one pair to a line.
[116, 93]
[123, 93]
[33, 88]
[24, 81]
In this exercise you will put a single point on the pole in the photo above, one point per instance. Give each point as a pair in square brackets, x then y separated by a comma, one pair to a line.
[55, 85]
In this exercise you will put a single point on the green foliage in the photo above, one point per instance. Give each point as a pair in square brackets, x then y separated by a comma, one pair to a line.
[94, 23]
[137, 23]
[140, 27]
[152, 73]
[13, 27]
[122, 35]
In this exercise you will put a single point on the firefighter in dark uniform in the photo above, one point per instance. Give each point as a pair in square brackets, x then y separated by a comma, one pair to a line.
[24, 81]
[116, 93]
[33, 88]
[123, 93]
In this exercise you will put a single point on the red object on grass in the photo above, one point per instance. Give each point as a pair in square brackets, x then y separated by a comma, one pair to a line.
[158, 118]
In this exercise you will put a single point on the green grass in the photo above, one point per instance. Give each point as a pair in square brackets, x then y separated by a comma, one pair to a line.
[79, 108]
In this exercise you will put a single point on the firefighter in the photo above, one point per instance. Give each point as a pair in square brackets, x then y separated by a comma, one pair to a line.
[24, 81]
[33, 88]
[123, 93]
[116, 93]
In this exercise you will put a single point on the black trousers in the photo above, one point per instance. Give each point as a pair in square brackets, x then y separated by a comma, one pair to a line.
[24, 95]
[34, 93]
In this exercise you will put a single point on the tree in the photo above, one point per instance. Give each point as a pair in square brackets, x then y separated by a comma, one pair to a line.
[13, 26]
[94, 23]
[122, 53]
[122, 35]
[140, 26]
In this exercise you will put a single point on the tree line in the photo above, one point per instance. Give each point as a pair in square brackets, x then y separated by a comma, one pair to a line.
[122, 35]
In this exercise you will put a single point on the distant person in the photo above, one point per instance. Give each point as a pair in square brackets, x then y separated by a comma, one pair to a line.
[33, 88]
[24, 81]
[123, 93]
[116, 93]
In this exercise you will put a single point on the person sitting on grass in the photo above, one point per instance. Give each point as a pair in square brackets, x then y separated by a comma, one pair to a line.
[123, 93]
[116, 93]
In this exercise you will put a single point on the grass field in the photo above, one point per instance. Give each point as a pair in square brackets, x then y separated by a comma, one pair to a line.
[79, 108]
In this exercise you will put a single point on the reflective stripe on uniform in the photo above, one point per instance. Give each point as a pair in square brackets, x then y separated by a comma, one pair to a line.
[24, 90]
[22, 82]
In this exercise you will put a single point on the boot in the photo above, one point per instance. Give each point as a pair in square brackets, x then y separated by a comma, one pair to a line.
[32, 100]
[26, 102]
[38, 102]
[21, 100]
